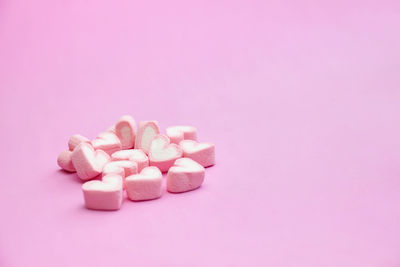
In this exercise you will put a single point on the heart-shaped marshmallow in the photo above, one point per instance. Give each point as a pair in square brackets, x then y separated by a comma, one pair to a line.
[179, 133]
[65, 162]
[145, 134]
[202, 153]
[185, 175]
[163, 154]
[75, 140]
[103, 195]
[144, 186]
[125, 129]
[108, 142]
[88, 162]
[136, 155]
[123, 168]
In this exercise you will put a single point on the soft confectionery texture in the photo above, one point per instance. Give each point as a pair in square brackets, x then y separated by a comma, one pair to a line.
[179, 133]
[88, 162]
[108, 142]
[136, 155]
[185, 175]
[144, 186]
[202, 153]
[103, 195]
[163, 154]
[122, 167]
[75, 140]
[125, 129]
[145, 134]
[65, 162]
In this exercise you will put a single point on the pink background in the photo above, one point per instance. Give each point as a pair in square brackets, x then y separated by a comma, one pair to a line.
[302, 99]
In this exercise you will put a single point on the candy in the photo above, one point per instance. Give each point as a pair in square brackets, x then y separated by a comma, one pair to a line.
[123, 168]
[179, 133]
[136, 155]
[134, 161]
[88, 162]
[202, 153]
[108, 142]
[185, 175]
[103, 195]
[144, 186]
[163, 154]
[65, 162]
[125, 130]
[145, 134]
[75, 140]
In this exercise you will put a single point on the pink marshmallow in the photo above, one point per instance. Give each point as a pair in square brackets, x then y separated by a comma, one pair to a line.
[88, 162]
[144, 186]
[185, 175]
[125, 130]
[65, 162]
[108, 142]
[123, 168]
[103, 195]
[145, 134]
[179, 133]
[75, 140]
[136, 155]
[202, 153]
[163, 154]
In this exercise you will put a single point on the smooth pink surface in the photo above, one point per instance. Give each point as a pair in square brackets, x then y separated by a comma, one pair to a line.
[301, 98]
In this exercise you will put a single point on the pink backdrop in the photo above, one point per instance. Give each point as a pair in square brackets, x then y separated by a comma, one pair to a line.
[302, 99]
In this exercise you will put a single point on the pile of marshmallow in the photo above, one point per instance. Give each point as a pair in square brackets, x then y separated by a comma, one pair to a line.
[134, 161]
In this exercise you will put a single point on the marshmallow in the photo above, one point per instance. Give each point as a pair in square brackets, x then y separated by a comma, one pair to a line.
[88, 162]
[163, 154]
[145, 134]
[103, 195]
[185, 175]
[65, 162]
[179, 133]
[75, 140]
[136, 155]
[108, 142]
[144, 186]
[125, 130]
[123, 168]
[202, 153]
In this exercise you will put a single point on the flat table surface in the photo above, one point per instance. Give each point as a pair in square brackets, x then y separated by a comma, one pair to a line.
[301, 98]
